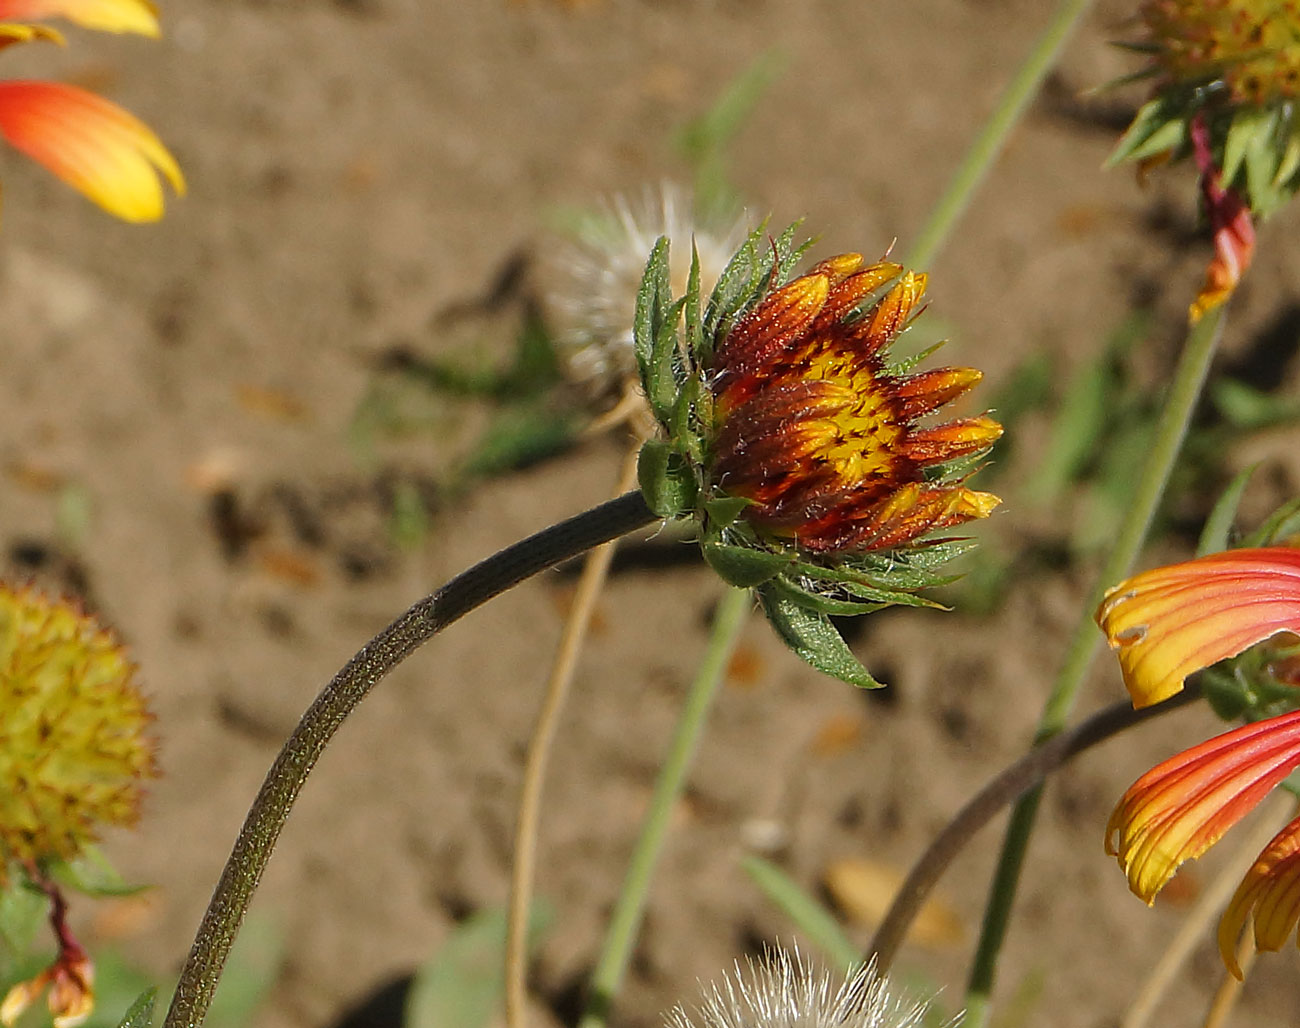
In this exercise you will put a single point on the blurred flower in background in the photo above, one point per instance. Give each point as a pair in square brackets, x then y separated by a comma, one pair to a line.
[74, 755]
[95, 146]
[1167, 623]
[1227, 75]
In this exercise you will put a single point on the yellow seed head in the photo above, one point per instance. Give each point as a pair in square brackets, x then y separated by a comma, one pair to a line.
[1251, 46]
[73, 745]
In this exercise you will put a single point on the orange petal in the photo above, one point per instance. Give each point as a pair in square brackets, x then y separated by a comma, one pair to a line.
[877, 329]
[924, 393]
[108, 15]
[1171, 621]
[949, 441]
[1271, 891]
[1183, 806]
[783, 316]
[93, 145]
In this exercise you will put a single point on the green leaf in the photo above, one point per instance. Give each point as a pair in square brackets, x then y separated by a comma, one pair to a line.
[742, 566]
[902, 576]
[811, 918]
[1158, 126]
[520, 435]
[841, 595]
[23, 910]
[814, 639]
[1240, 138]
[691, 312]
[652, 296]
[667, 481]
[1262, 158]
[661, 379]
[1214, 536]
[462, 984]
[822, 604]
[724, 510]
[91, 873]
[140, 1013]
[1281, 524]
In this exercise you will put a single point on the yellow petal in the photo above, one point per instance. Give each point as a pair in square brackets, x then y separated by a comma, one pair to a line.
[107, 15]
[1171, 621]
[1271, 892]
[93, 145]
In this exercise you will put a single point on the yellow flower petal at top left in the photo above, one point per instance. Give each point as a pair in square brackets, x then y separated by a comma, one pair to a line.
[93, 145]
[106, 15]
[1168, 622]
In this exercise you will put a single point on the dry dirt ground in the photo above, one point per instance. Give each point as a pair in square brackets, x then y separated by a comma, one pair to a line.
[357, 169]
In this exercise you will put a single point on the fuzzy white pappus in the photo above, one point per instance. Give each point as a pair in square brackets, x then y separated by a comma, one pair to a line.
[595, 278]
[784, 992]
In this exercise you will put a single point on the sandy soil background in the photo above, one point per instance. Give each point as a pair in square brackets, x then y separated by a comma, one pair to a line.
[357, 169]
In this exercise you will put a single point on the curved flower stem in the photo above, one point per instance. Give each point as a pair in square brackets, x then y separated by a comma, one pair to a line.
[595, 569]
[372, 662]
[1189, 377]
[728, 620]
[1012, 781]
[988, 144]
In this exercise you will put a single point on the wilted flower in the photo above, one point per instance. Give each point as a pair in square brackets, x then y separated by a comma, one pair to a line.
[93, 145]
[1167, 623]
[70, 978]
[74, 752]
[597, 276]
[1227, 75]
[783, 992]
[797, 444]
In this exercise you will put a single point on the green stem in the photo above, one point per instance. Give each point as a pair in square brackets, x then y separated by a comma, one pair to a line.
[624, 923]
[988, 144]
[1189, 377]
[252, 850]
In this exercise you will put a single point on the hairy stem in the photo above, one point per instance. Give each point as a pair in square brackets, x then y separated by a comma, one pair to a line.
[1185, 390]
[372, 662]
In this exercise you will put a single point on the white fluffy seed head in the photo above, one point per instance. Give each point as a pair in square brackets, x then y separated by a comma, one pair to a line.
[593, 281]
[784, 992]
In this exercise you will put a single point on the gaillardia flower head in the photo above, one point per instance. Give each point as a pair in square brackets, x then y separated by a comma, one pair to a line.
[93, 145]
[74, 748]
[1227, 76]
[1166, 624]
[798, 445]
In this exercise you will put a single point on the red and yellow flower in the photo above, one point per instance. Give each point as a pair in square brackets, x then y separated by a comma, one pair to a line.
[1227, 75]
[1167, 623]
[812, 428]
[803, 453]
[95, 146]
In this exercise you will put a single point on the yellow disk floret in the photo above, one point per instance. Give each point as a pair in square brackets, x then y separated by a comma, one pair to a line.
[73, 745]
